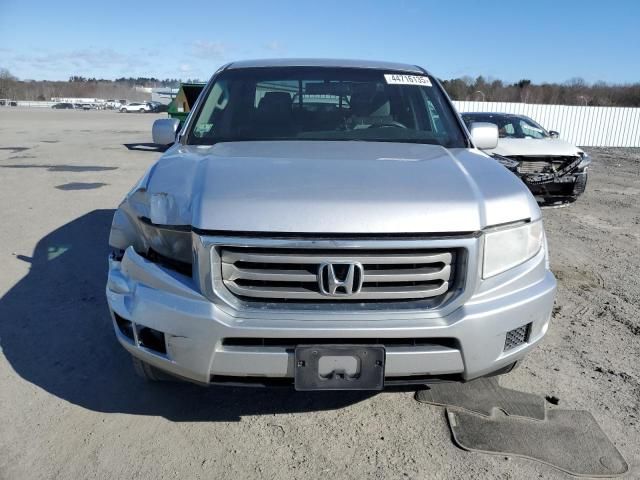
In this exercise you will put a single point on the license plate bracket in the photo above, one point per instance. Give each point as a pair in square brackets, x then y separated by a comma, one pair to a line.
[339, 367]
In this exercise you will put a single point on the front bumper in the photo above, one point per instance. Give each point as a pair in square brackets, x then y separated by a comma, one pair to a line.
[465, 343]
[568, 186]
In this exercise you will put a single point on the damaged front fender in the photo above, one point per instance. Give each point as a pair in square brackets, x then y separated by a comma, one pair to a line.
[134, 226]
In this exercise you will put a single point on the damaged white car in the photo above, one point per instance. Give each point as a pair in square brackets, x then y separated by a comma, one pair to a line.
[553, 169]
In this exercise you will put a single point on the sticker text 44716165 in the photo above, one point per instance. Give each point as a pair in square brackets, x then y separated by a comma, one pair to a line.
[400, 79]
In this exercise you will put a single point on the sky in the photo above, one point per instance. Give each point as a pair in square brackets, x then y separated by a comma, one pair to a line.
[544, 41]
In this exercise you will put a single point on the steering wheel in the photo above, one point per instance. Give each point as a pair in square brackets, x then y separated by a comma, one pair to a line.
[388, 124]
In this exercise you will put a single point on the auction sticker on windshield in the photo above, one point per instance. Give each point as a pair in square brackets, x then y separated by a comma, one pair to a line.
[399, 79]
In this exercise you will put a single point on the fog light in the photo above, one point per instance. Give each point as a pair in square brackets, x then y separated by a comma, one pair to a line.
[152, 339]
[125, 326]
[517, 337]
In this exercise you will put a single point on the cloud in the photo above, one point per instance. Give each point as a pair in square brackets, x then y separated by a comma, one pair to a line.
[82, 59]
[275, 46]
[194, 60]
[209, 50]
[89, 62]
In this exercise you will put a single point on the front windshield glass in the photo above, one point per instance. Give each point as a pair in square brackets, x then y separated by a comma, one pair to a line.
[509, 126]
[300, 103]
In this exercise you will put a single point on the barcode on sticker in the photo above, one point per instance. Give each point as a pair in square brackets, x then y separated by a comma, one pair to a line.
[400, 79]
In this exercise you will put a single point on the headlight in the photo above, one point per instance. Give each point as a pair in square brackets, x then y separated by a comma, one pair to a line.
[506, 162]
[585, 162]
[169, 241]
[507, 247]
[146, 222]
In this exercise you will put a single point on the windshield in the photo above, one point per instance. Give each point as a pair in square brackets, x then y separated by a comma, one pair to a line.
[303, 103]
[509, 126]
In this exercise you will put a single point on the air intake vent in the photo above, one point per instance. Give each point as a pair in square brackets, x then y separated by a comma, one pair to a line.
[517, 337]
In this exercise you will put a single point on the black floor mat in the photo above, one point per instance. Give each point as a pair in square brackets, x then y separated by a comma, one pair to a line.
[569, 440]
[482, 396]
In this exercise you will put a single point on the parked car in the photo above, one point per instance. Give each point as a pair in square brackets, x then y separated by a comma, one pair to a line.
[63, 106]
[553, 169]
[157, 107]
[352, 245]
[135, 107]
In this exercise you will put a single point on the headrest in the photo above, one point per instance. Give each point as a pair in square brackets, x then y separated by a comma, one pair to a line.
[275, 101]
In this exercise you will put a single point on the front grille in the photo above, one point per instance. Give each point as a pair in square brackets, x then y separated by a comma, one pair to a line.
[284, 274]
[533, 165]
[517, 337]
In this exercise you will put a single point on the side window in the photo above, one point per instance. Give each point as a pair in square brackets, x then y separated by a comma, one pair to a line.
[435, 118]
[216, 103]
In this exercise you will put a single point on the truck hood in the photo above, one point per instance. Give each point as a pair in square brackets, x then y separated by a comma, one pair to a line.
[534, 147]
[334, 187]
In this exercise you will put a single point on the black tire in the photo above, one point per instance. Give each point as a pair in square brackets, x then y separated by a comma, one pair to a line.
[149, 372]
[141, 110]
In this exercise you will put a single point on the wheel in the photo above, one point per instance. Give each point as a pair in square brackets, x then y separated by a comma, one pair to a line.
[149, 372]
[123, 110]
[141, 110]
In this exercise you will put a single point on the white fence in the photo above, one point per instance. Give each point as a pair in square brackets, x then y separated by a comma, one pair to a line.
[582, 125]
[25, 103]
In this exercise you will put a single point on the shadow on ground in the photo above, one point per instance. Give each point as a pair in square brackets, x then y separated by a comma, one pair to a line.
[145, 147]
[62, 168]
[55, 332]
[80, 186]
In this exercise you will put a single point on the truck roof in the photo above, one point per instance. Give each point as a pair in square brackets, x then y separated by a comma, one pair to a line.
[326, 62]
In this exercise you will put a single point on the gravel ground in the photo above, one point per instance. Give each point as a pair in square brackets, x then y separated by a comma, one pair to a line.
[72, 408]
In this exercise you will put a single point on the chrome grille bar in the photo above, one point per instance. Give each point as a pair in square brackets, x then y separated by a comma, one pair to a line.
[284, 274]
[236, 255]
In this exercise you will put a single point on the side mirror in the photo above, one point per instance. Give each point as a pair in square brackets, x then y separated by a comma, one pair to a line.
[484, 135]
[554, 134]
[164, 131]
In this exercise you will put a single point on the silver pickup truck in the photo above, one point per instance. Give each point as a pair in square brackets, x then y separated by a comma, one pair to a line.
[328, 225]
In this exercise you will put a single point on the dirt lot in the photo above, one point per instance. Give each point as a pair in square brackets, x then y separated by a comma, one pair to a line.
[71, 407]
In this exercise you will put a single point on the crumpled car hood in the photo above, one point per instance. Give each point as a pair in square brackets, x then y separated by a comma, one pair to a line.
[534, 147]
[336, 187]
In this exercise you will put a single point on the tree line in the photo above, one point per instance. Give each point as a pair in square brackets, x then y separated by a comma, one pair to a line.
[573, 92]
[129, 88]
